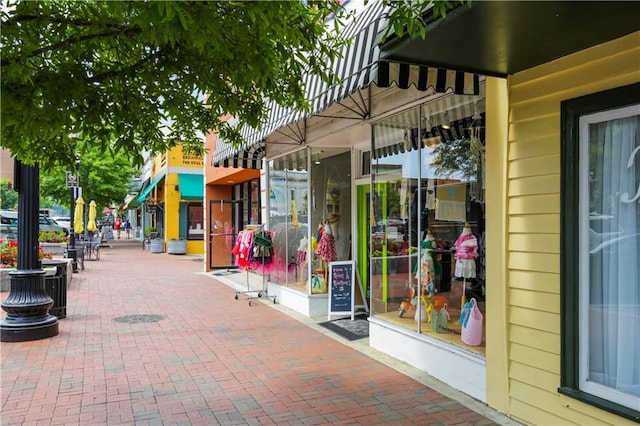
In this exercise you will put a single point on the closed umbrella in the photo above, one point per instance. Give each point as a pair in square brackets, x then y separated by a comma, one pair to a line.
[78, 227]
[294, 214]
[91, 225]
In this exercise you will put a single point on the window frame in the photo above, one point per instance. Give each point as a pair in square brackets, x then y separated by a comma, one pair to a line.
[193, 237]
[570, 230]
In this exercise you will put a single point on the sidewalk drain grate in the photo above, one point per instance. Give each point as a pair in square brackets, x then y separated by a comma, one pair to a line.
[135, 319]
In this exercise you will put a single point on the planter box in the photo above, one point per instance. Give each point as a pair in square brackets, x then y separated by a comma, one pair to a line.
[177, 246]
[54, 249]
[5, 279]
[156, 246]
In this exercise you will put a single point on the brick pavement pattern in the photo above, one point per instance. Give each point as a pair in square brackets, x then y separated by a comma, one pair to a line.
[210, 360]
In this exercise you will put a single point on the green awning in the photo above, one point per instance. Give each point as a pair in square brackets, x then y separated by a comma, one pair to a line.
[148, 189]
[191, 187]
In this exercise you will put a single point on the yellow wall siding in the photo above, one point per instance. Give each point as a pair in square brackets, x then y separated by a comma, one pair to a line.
[539, 359]
[533, 221]
[530, 261]
[535, 242]
[532, 147]
[534, 185]
[538, 223]
[535, 204]
[540, 339]
[536, 300]
[535, 166]
[540, 320]
[534, 280]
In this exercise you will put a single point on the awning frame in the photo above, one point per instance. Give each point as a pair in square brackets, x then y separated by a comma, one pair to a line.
[357, 67]
[144, 193]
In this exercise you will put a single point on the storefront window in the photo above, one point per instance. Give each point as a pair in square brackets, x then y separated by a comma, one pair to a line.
[309, 216]
[330, 212]
[427, 217]
[288, 217]
[195, 215]
[601, 248]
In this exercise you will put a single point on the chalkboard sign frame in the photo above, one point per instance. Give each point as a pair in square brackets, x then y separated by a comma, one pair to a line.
[344, 308]
[337, 306]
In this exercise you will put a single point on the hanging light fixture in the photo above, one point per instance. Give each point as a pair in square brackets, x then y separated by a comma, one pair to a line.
[405, 140]
[317, 162]
[427, 123]
[476, 112]
[447, 124]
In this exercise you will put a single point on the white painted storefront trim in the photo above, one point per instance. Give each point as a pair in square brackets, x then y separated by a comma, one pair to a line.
[461, 369]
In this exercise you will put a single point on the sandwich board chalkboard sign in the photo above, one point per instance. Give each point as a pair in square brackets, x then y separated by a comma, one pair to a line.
[342, 288]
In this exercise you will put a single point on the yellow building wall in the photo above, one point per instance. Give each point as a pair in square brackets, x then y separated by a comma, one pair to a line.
[172, 208]
[531, 313]
[172, 160]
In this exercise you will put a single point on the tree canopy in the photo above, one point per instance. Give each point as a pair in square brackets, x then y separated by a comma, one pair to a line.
[128, 76]
[104, 179]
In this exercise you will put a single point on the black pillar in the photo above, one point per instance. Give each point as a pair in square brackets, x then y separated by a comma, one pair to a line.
[72, 252]
[28, 304]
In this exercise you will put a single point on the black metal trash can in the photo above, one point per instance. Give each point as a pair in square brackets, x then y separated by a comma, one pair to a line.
[56, 286]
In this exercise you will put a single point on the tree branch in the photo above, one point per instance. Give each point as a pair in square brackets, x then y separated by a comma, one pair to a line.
[113, 73]
[71, 41]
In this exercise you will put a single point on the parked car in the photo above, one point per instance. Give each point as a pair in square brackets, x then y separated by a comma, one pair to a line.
[64, 221]
[10, 218]
[8, 232]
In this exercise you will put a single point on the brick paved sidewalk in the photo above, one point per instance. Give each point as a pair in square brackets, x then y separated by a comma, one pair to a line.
[209, 360]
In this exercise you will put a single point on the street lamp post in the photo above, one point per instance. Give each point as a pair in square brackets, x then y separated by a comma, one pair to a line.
[28, 304]
[72, 250]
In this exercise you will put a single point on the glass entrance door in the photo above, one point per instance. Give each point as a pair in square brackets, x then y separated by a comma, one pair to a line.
[363, 193]
[225, 219]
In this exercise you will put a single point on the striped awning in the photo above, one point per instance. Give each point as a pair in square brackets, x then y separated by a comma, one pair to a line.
[394, 138]
[357, 67]
[247, 156]
[294, 161]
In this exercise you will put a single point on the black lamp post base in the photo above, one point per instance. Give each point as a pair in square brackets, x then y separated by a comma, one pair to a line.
[25, 330]
[27, 308]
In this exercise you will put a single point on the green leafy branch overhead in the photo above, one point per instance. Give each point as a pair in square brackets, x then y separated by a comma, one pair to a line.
[129, 76]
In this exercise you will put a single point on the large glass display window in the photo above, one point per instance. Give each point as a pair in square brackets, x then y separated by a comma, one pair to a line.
[288, 217]
[330, 213]
[427, 220]
[309, 216]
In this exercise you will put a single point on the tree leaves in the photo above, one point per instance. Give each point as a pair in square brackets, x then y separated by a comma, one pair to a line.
[411, 17]
[130, 76]
[103, 176]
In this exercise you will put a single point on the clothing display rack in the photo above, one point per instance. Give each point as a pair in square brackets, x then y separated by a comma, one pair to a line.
[254, 247]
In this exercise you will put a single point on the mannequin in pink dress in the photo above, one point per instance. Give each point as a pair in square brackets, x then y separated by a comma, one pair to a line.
[465, 255]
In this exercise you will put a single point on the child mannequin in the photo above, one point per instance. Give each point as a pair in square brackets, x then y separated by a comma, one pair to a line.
[302, 250]
[466, 253]
[426, 265]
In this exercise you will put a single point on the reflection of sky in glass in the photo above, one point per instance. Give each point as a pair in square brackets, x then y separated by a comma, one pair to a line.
[409, 163]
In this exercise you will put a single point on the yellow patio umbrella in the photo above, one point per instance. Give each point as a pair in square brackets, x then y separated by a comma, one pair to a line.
[78, 226]
[294, 214]
[91, 225]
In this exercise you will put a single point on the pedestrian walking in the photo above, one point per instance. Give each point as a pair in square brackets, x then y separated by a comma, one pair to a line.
[127, 229]
[117, 225]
